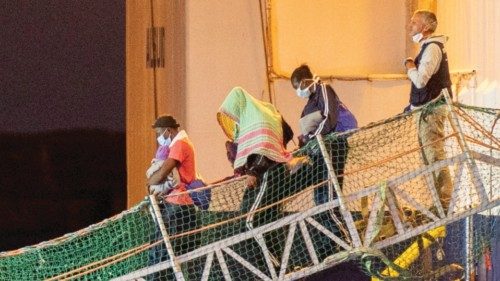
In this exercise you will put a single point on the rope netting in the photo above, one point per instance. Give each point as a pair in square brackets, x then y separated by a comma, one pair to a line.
[412, 197]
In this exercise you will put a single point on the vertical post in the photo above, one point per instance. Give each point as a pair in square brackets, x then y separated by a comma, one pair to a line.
[340, 196]
[469, 242]
[265, 21]
[471, 164]
[158, 218]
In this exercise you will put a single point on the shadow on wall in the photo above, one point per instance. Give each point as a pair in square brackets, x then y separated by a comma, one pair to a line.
[58, 182]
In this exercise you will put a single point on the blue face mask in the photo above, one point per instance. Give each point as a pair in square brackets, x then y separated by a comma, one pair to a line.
[305, 93]
[164, 141]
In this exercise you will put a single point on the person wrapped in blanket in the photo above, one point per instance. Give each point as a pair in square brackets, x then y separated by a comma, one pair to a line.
[257, 134]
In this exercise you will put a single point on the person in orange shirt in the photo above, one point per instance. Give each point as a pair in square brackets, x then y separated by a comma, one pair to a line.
[177, 207]
[181, 156]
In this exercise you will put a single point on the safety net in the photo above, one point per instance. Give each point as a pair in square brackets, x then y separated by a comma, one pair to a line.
[413, 197]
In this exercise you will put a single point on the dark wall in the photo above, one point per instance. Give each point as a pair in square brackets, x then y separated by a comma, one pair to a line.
[62, 65]
[62, 117]
[58, 182]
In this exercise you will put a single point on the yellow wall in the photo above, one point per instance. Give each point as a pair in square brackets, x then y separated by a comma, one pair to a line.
[224, 49]
[473, 28]
[142, 107]
[339, 37]
[139, 101]
[216, 45]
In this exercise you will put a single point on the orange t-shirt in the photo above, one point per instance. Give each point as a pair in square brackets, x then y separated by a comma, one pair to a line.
[183, 151]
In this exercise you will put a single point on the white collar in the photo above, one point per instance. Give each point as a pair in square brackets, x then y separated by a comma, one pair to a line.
[434, 38]
[180, 135]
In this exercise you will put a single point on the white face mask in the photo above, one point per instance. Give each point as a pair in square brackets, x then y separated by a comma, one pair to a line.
[164, 141]
[304, 93]
[417, 37]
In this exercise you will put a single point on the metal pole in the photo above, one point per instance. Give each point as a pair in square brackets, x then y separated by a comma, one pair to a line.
[469, 223]
[264, 22]
[468, 247]
[340, 196]
[471, 163]
[157, 216]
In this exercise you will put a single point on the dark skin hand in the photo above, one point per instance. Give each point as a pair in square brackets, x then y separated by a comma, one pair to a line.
[251, 181]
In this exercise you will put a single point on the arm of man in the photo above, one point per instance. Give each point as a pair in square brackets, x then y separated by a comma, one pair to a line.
[161, 175]
[429, 64]
[330, 104]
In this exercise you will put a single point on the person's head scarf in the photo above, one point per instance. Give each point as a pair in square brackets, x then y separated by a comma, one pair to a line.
[256, 127]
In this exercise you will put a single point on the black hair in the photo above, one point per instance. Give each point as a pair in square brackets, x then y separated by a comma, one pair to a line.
[300, 73]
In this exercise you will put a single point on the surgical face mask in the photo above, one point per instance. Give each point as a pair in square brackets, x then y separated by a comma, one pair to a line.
[417, 37]
[304, 93]
[164, 141]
